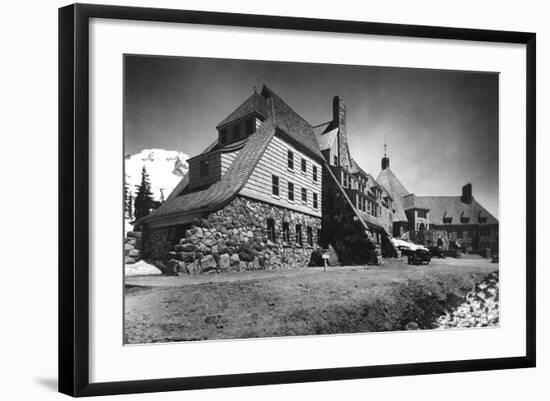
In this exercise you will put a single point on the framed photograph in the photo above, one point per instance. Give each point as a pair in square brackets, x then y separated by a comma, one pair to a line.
[250, 199]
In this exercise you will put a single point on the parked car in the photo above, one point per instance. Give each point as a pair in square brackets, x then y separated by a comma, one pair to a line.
[419, 256]
[416, 254]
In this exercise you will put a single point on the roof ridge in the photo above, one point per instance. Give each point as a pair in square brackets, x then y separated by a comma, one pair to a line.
[286, 104]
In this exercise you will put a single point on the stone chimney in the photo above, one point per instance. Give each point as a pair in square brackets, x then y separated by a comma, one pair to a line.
[339, 120]
[466, 194]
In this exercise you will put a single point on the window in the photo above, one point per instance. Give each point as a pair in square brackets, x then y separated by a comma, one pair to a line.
[286, 232]
[203, 168]
[275, 185]
[314, 200]
[249, 126]
[236, 132]
[422, 214]
[335, 160]
[299, 234]
[315, 173]
[304, 165]
[459, 234]
[223, 136]
[304, 195]
[310, 236]
[290, 157]
[290, 191]
[271, 230]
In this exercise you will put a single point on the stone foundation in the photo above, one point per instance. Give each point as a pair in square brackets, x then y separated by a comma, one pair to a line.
[132, 246]
[234, 238]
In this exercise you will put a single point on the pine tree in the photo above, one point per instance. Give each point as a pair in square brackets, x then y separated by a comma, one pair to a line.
[131, 206]
[126, 201]
[144, 203]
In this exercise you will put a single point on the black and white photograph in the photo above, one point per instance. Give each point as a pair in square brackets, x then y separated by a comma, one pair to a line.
[273, 199]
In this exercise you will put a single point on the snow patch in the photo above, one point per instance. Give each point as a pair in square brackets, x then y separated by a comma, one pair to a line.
[165, 169]
[140, 268]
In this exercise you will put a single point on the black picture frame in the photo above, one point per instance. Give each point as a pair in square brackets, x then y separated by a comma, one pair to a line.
[74, 201]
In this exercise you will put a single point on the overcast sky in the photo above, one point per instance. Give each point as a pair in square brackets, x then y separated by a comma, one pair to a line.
[441, 127]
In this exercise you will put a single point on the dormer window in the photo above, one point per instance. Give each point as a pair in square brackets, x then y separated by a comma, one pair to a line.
[223, 136]
[236, 132]
[447, 220]
[203, 168]
[249, 126]
[464, 219]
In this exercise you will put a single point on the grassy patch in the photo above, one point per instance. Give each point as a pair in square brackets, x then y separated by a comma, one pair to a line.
[395, 297]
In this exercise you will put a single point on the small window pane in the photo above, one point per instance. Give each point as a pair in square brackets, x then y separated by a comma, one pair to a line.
[304, 165]
[290, 191]
[290, 156]
[299, 234]
[275, 185]
[271, 230]
[286, 232]
[304, 195]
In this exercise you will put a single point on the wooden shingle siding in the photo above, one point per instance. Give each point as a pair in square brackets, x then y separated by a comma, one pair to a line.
[274, 162]
[226, 160]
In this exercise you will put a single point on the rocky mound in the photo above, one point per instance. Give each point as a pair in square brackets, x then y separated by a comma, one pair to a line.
[481, 308]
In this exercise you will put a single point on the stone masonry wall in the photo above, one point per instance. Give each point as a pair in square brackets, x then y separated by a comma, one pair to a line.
[234, 238]
[132, 246]
[341, 228]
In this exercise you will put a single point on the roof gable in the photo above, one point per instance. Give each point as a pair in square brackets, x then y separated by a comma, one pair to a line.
[291, 123]
[254, 104]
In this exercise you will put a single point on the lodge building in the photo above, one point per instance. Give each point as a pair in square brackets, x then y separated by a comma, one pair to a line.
[272, 188]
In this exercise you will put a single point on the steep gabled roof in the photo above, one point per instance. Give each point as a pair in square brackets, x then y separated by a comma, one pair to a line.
[223, 191]
[279, 118]
[396, 190]
[452, 206]
[291, 123]
[254, 104]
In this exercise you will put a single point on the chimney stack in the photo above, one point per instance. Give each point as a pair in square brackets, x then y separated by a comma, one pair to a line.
[339, 120]
[385, 159]
[467, 194]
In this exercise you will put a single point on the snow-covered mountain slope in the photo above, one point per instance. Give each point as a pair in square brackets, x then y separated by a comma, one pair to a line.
[165, 169]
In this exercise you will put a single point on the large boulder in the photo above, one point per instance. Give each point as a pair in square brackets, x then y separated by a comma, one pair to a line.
[208, 263]
[234, 260]
[225, 261]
